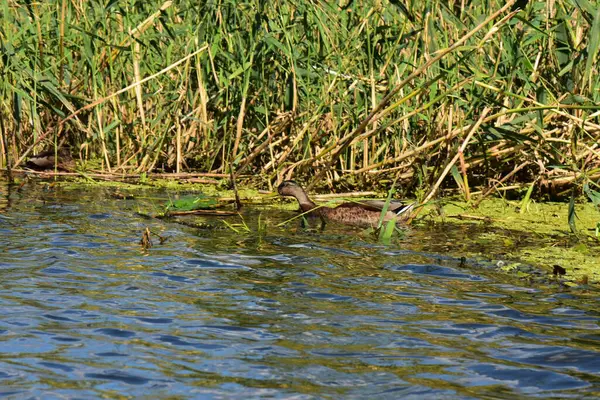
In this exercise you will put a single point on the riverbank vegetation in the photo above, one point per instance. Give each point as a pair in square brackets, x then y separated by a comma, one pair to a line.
[482, 96]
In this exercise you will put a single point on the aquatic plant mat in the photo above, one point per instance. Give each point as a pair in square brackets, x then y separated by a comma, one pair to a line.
[524, 238]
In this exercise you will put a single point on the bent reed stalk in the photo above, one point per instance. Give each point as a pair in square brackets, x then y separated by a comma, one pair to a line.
[359, 94]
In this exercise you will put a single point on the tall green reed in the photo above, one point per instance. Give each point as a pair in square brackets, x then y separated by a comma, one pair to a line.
[281, 87]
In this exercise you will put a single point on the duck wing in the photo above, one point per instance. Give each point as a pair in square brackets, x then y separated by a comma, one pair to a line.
[371, 210]
[365, 205]
[395, 206]
[46, 160]
[41, 161]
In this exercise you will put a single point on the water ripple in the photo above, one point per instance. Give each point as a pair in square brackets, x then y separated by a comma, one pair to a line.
[288, 313]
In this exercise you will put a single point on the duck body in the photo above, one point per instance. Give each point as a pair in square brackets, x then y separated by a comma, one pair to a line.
[47, 160]
[363, 213]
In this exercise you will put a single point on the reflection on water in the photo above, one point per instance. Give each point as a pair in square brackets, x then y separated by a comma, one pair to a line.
[287, 313]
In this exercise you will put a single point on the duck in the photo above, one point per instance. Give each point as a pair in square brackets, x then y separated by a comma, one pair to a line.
[47, 160]
[363, 213]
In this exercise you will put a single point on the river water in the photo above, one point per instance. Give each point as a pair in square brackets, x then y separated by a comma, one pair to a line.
[283, 312]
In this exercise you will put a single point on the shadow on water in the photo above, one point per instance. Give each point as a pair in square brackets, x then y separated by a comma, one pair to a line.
[285, 313]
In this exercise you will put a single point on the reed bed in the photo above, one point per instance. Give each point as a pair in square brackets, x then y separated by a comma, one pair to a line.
[483, 96]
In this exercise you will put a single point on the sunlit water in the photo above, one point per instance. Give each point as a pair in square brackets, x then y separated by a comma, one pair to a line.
[286, 313]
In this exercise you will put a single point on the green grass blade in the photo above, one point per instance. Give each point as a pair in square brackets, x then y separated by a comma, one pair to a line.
[572, 213]
[593, 46]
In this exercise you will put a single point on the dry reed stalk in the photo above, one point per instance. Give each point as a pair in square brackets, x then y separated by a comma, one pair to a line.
[410, 153]
[383, 171]
[220, 213]
[185, 175]
[117, 136]
[279, 127]
[186, 136]
[242, 113]
[454, 133]
[465, 182]
[135, 54]
[280, 159]
[178, 148]
[555, 108]
[202, 115]
[344, 142]
[61, 41]
[102, 138]
[131, 157]
[589, 150]
[456, 157]
[557, 181]
[312, 158]
[123, 177]
[239, 127]
[489, 190]
[5, 152]
[341, 196]
[406, 116]
[202, 181]
[106, 98]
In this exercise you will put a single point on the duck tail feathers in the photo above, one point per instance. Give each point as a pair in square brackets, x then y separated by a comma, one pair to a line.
[406, 210]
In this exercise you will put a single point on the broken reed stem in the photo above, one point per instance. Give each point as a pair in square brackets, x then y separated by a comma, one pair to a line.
[344, 142]
[539, 106]
[489, 190]
[5, 148]
[239, 128]
[258, 150]
[281, 157]
[103, 139]
[460, 130]
[474, 128]
[178, 145]
[406, 116]
[238, 202]
[410, 153]
[135, 54]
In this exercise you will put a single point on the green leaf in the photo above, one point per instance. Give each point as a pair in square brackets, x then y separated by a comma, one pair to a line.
[271, 41]
[593, 45]
[190, 203]
[585, 5]
[572, 214]
[458, 178]
[527, 198]
[593, 195]
[385, 234]
[239, 71]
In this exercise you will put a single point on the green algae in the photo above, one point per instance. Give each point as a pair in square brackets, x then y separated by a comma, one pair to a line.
[540, 218]
[539, 235]
[219, 189]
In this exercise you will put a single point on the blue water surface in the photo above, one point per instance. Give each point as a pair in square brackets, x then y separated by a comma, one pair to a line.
[281, 312]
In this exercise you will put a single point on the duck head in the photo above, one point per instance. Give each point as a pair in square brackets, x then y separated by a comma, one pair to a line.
[289, 188]
[292, 189]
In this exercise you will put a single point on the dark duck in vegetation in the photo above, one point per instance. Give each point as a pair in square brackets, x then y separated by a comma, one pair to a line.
[363, 213]
[50, 159]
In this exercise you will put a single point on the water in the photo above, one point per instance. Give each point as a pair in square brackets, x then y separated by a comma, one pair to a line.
[287, 313]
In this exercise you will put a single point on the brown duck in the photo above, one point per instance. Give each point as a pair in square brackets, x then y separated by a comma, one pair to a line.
[363, 213]
[47, 160]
